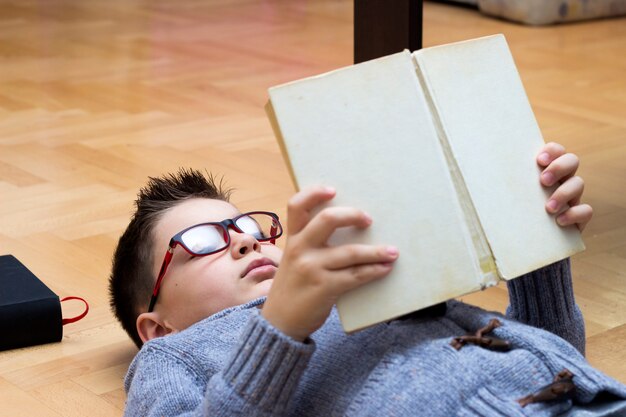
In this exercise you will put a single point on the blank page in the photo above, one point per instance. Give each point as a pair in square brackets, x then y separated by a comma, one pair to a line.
[487, 120]
[367, 131]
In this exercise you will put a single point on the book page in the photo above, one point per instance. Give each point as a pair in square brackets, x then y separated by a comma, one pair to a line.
[367, 131]
[492, 132]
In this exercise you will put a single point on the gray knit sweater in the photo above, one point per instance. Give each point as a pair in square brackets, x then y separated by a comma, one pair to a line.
[236, 363]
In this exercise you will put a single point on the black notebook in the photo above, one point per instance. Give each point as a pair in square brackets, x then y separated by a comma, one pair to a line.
[30, 313]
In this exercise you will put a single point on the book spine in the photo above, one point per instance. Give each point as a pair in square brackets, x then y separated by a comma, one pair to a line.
[30, 323]
[482, 249]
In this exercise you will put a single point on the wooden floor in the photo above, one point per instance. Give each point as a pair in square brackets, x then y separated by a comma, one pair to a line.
[97, 95]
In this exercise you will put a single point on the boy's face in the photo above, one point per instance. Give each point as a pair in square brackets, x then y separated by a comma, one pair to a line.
[196, 287]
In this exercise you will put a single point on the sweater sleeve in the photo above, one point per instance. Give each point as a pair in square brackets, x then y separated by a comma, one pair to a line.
[261, 376]
[258, 379]
[545, 299]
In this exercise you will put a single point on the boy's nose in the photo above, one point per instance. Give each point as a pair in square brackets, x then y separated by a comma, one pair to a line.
[243, 243]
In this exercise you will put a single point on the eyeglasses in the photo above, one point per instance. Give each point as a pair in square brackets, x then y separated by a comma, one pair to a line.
[209, 238]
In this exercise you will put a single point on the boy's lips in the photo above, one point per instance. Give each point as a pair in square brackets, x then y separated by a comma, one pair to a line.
[258, 263]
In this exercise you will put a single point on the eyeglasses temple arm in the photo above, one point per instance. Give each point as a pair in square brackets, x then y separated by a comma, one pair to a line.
[166, 261]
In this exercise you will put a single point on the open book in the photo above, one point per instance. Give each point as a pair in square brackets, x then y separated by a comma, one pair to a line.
[439, 147]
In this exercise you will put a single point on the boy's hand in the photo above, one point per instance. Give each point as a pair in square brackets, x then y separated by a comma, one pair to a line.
[560, 167]
[312, 275]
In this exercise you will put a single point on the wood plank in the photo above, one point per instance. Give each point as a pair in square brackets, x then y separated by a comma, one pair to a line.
[606, 351]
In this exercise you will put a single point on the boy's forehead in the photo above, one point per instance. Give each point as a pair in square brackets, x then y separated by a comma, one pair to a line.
[189, 213]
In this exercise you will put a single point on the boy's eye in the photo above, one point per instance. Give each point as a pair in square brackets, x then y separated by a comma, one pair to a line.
[203, 239]
[250, 226]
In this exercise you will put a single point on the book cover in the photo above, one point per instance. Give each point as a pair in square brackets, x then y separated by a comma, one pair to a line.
[439, 148]
[30, 313]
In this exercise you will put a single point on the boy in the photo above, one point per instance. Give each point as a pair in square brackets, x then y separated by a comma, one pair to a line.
[209, 348]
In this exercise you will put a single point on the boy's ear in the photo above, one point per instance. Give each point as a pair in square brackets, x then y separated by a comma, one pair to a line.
[150, 326]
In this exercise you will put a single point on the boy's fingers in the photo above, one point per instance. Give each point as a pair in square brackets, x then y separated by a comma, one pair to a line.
[568, 193]
[346, 256]
[347, 279]
[560, 169]
[301, 204]
[579, 215]
[322, 225]
[549, 153]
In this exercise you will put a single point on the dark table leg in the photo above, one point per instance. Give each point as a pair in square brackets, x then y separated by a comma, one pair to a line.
[383, 27]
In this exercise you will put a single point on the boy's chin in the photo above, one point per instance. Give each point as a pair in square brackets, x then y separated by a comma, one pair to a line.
[263, 287]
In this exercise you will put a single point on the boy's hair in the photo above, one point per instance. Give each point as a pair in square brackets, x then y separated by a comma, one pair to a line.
[132, 277]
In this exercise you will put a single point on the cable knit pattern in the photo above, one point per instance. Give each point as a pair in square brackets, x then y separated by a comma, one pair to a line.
[545, 299]
[236, 363]
[267, 367]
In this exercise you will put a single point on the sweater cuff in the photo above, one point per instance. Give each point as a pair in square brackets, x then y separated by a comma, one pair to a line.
[267, 367]
[545, 299]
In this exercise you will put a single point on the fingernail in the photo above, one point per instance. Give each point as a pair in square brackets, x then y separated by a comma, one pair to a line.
[329, 189]
[561, 219]
[548, 178]
[552, 205]
[367, 217]
[393, 251]
[544, 158]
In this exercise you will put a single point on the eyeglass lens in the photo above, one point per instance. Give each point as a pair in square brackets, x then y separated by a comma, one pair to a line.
[208, 238]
